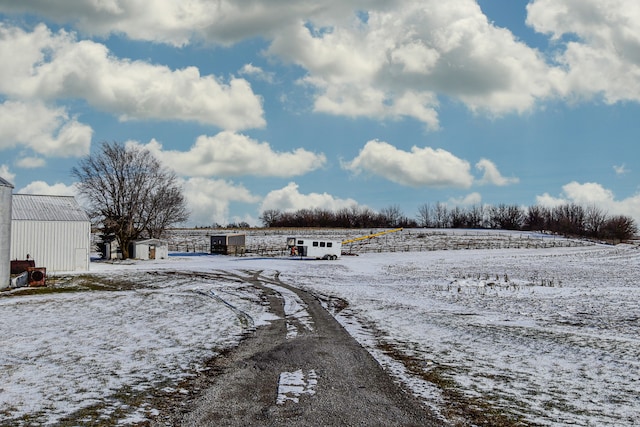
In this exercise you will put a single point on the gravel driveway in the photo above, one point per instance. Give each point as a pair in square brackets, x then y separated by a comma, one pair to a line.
[296, 372]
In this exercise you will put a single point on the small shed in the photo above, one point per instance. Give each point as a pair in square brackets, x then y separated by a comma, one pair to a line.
[228, 244]
[54, 231]
[149, 249]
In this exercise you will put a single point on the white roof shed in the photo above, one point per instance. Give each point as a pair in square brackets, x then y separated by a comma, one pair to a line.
[53, 230]
[150, 249]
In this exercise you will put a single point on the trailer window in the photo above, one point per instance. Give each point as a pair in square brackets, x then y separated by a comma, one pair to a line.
[322, 244]
[329, 244]
[300, 242]
[315, 243]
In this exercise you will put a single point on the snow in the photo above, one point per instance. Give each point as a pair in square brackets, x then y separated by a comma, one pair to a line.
[551, 334]
[292, 385]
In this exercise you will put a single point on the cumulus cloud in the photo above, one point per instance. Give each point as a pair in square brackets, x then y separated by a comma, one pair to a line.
[599, 45]
[31, 162]
[492, 175]
[591, 193]
[208, 200]
[421, 167]
[406, 54]
[6, 174]
[257, 72]
[43, 188]
[45, 130]
[50, 65]
[470, 199]
[377, 59]
[180, 22]
[233, 154]
[290, 199]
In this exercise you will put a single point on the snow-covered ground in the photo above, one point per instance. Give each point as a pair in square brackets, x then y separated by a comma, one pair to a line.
[551, 334]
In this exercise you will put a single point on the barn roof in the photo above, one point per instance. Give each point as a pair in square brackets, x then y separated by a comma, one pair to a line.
[31, 207]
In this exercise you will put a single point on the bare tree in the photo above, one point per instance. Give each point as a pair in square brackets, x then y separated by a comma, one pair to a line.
[391, 216]
[475, 217]
[594, 220]
[270, 217]
[507, 217]
[536, 218]
[441, 217]
[130, 193]
[424, 215]
[619, 228]
[458, 217]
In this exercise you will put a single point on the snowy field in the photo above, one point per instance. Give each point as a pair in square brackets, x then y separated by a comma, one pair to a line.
[549, 335]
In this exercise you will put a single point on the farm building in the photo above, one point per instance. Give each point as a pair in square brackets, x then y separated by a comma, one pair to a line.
[6, 190]
[228, 244]
[52, 230]
[149, 249]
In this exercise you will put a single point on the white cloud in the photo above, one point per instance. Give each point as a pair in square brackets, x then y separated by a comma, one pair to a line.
[470, 199]
[257, 72]
[6, 173]
[600, 41]
[208, 200]
[290, 199]
[393, 64]
[31, 162]
[233, 154]
[421, 167]
[43, 188]
[407, 53]
[492, 175]
[50, 66]
[47, 131]
[592, 193]
[620, 170]
[180, 22]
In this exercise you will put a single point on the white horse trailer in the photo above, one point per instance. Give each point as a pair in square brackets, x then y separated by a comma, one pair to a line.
[314, 248]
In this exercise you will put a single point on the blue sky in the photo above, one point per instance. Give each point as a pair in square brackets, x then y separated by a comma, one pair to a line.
[331, 104]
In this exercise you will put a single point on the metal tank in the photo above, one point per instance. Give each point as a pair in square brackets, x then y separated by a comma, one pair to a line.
[6, 190]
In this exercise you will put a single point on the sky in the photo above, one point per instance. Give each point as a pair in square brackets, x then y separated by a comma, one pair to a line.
[269, 104]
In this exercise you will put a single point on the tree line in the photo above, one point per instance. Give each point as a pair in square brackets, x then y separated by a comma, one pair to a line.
[130, 194]
[571, 220]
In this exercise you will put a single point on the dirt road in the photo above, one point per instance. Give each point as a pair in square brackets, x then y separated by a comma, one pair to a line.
[298, 371]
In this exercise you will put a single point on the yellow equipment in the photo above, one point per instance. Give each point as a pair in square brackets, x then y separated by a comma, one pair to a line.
[370, 236]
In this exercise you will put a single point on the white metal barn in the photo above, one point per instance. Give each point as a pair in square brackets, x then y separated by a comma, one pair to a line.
[53, 230]
[150, 249]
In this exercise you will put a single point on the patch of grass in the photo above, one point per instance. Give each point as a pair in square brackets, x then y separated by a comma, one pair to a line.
[79, 283]
[459, 408]
[111, 409]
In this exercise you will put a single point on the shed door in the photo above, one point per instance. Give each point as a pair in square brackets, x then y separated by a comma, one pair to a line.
[81, 259]
[152, 252]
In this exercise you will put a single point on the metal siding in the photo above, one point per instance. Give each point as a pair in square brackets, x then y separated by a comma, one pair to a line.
[5, 232]
[52, 244]
[236, 240]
